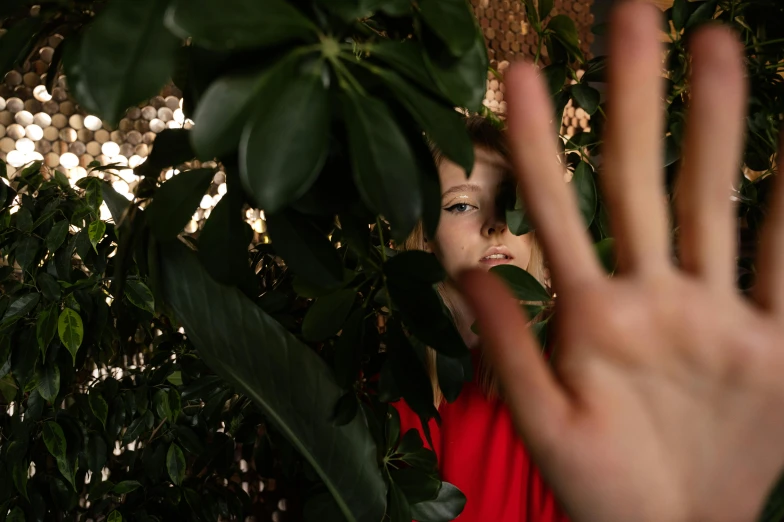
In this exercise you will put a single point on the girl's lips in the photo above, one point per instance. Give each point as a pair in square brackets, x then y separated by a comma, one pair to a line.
[494, 261]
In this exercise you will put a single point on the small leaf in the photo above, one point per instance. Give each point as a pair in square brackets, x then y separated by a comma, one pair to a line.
[175, 464]
[54, 438]
[116, 203]
[49, 286]
[555, 74]
[176, 201]
[523, 285]
[399, 508]
[238, 24]
[680, 14]
[71, 330]
[114, 516]
[417, 485]
[126, 486]
[545, 7]
[49, 386]
[96, 231]
[702, 14]
[327, 315]
[46, 328]
[445, 507]
[98, 406]
[565, 32]
[171, 148]
[585, 189]
[140, 295]
[26, 251]
[137, 427]
[586, 96]
[20, 307]
[57, 235]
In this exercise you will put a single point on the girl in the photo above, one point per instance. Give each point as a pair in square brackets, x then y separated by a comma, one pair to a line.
[477, 448]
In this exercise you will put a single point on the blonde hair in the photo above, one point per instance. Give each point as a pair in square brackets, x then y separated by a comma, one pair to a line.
[485, 135]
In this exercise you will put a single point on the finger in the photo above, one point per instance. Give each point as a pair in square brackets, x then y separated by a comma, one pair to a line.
[551, 202]
[632, 180]
[769, 289]
[538, 403]
[712, 151]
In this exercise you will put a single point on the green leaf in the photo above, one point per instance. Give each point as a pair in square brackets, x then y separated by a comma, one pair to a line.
[96, 231]
[71, 330]
[137, 427]
[417, 485]
[116, 203]
[545, 7]
[16, 515]
[305, 249]
[531, 13]
[383, 164]
[126, 55]
[238, 24]
[409, 373]
[19, 470]
[327, 315]
[445, 507]
[176, 201]
[57, 235]
[140, 295]
[20, 307]
[565, 32]
[175, 378]
[96, 453]
[290, 383]
[114, 516]
[26, 251]
[585, 189]
[555, 74]
[452, 21]
[680, 14]
[702, 14]
[225, 107]
[463, 81]
[24, 220]
[399, 508]
[54, 438]
[451, 376]
[49, 286]
[406, 58]
[98, 406]
[586, 97]
[523, 285]
[49, 386]
[605, 251]
[284, 145]
[346, 409]
[18, 41]
[175, 464]
[442, 124]
[171, 148]
[46, 327]
[126, 486]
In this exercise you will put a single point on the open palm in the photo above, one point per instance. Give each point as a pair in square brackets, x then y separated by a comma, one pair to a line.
[666, 402]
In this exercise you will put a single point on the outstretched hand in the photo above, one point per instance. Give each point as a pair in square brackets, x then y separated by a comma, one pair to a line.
[666, 398]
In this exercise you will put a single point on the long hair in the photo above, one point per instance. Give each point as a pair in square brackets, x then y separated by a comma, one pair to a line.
[485, 135]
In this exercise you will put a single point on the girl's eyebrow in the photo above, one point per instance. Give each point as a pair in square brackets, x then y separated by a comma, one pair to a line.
[465, 187]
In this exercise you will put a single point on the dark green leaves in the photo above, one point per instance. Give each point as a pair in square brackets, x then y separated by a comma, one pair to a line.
[280, 374]
[126, 486]
[565, 32]
[305, 249]
[20, 307]
[49, 286]
[171, 148]
[452, 21]
[680, 14]
[17, 42]
[545, 6]
[98, 406]
[113, 69]
[284, 144]
[71, 330]
[238, 24]
[327, 315]
[26, 251]
[176, 201]
[54, 439]
[46, 327]
[586, 96]
[524, 286]
[96, 231]
[462, 81]
[585, 189]
[383, 164]
[555, 74]
[442, 124]
[49, 386]
[175, 464]
[399, 508]
[445, 507]
[57, 235]
[139, 295]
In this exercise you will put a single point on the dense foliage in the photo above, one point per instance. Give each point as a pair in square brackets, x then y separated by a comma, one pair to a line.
[315, 109]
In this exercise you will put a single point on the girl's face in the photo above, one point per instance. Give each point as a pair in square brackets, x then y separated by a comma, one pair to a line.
[472, 231]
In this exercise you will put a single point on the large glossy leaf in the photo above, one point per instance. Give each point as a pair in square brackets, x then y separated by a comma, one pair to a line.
[524, 286]
[585, 189]
[463, 81]
[20, 307]
[383, 164]
[292, 385]
[126, 56]
[175, 464]
[284, 144]
[565, 32]
[451, 21]
[49, 386]
[305, 249]
[238, 24]
[176, 201]
[586, 96]
[442, 124]
[46, 327]
[327, 315]
[71, 330]
[140, 295]
[406, 58]
[57, 235]
[445, 507]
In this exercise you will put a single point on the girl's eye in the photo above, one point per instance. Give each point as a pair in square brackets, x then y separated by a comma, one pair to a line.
[459, 207]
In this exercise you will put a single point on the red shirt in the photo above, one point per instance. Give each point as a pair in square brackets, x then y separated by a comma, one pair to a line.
[479, 451]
